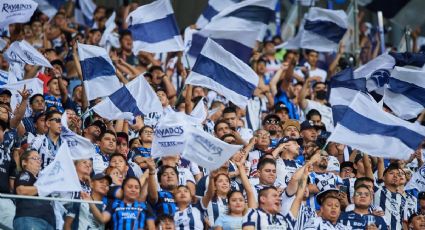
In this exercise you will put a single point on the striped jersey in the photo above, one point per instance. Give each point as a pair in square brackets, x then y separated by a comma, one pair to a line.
[392, 203]
[46, 148]
[359, 222]
[165, 204]
[216, 207]
[320, 224]
[411, 205]
[323, 181]
[188, 219]
[305, 213]
[129, 216]
[260, 219]
[285, 169]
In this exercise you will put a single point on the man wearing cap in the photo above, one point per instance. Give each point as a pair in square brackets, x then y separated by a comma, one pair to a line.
[308, 132]
[282, 111]
[361, 217]
[5, 96]
[330, 210]
[285, 155]
[417, 221]
[389, 199]
[421, 202]
[48, 145]
[93, 129]
[271, 124]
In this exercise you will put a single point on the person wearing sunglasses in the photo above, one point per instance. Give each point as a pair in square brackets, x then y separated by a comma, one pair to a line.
[271, 123]
[48, 145]
[361, 217]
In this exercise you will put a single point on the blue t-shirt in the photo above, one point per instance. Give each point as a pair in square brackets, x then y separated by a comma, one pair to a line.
[229, 222]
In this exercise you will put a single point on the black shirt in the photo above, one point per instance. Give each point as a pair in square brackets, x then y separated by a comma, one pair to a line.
[7, 163]
[33, 208]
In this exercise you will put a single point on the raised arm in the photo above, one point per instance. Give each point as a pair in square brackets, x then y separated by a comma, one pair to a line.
[302, 102]
[20, 110]
[210, 190]
[302, 185]
[84, 100]
[152, 184]
[252, 200]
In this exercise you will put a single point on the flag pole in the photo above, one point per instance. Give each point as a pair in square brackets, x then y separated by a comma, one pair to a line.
[12, 196]
[356, 32]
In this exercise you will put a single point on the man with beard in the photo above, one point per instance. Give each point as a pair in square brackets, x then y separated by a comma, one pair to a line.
[271, 124]
[358, 218]
[321, 180]
[389, 199]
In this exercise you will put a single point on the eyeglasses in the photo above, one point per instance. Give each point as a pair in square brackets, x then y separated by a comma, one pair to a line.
[34, 158]
[57, 120]
[362, 194]
[272, 122]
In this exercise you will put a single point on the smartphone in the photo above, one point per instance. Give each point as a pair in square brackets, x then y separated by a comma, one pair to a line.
[343, 189]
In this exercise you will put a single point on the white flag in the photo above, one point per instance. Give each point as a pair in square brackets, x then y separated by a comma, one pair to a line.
[80, 147]
[170, 135]
[199, 113]
[22, 51]
[16, 11]
[34, 86]
[59, 176]
[418, 180]
[206, 150]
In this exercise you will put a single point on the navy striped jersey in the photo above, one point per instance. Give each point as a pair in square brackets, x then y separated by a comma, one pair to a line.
[7, 163]
[165, 204]
[305, 213]
[29, 125]
[259, 219]
[285, 169]
[46, 148]
[392, 203]
[216, 207]
[359, 221]
[188, 219]
[349, 183]
[411, 205]
[323, 181]
[320, 224]
[129, 216]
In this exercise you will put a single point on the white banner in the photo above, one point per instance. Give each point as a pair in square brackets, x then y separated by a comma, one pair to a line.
[59, 176]
[80, 147]
[16, 11]
[22, 51]
[207, 150]
[170, 135]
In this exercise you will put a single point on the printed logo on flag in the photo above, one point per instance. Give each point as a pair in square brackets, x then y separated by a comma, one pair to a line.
[12, 8]
[208, 146]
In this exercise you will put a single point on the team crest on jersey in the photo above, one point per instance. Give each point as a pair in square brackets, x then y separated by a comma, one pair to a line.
[25, 177]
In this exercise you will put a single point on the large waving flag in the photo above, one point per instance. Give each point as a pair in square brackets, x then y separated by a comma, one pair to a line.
[98, 71]
[16, 11]
[23, 52]
[207, 150]
[321, 30]
[109, 37]
[135, 98]
[221, 71]
[59, 176]
[154, 28]
[405, 92]
[83, 12]
[212, 9]
[343, 90]
[79, 146]
[367, 127]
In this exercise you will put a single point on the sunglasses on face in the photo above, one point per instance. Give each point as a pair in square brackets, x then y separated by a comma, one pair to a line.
[272, 122]
[57, 120]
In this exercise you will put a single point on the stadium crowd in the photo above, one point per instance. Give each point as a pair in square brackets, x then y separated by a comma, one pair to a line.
[286, 175]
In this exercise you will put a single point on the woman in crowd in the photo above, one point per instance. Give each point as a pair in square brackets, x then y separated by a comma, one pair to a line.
[237, 206]
[187, 215]
[31, 214]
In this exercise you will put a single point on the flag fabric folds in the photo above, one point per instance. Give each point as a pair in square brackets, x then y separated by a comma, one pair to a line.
[219, 70]
[344, 88]
[368, 128]
[405, 92]
[23, 52]
[212, 9]
[79, 146]
[207, 150]
[84, 11]
[154, 28]
[321, 30]
[16, 11]
[98, 71]
[135, 98]
[59, 176]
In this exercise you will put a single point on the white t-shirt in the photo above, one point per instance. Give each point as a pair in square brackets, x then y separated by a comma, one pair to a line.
[313, 73]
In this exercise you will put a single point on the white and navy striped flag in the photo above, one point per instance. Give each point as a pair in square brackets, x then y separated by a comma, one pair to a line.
[212, 9]
[154, 28]
[219, 70]
[405, 92]
[98, 71]
[84, 11]
[343, 89]
[135, 98]
[321, 30]
[16, 11]
[368, 128]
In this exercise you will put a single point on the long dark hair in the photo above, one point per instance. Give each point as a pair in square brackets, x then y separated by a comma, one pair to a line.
[127, 179]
